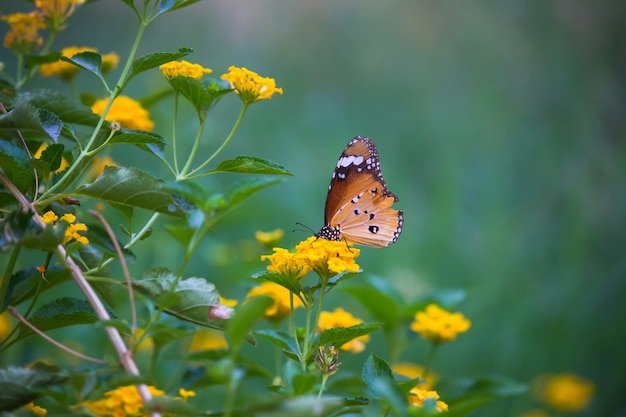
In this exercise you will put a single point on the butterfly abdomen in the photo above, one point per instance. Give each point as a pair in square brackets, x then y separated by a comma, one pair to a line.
[358, 206]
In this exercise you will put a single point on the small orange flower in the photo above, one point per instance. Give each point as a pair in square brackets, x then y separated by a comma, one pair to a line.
[57, 12]
[23, 35]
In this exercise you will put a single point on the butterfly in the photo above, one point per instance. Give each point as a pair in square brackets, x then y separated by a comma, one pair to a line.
[358, 205]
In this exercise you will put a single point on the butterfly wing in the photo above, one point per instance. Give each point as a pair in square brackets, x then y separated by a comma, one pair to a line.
[358, 205]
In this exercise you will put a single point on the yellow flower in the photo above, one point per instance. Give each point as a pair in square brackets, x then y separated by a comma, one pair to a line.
[120, 402]
[56, 12]
[250, 86]
[36, 410]
[227, 301]
[5, 324]
[417, 397]
[186, 393]
[269, 239]
[565, 392]
[184, 69]
[23, 35]
[410, 370]
[438, 325]
[287, 263]
[341, 318]
[64, 70]
[64, 163]
[127, 112]
[72, 229]
[281, 295]
[208, 339]
[328, 257]
[109, 62]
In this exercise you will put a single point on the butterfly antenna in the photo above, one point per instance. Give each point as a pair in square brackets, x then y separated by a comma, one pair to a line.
[305, 228]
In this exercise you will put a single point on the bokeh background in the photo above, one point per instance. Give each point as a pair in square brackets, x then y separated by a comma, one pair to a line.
[501, 127]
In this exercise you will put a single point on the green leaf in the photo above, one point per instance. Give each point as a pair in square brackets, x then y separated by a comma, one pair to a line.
[278, 338]
[447, 299]
[340, 335]
[24, 284]
[18, 386]
[303, 383]
[194, 91]
[134, 137]
[170, 406]
[33, 60]
[89, 61]
[59, 313]
[244, 189]
[14, 164]
[190, 300]
[306, 406]
[53, 155]
[244, 316]
[67, 109]
[132, 187]
[149, 61]
[171, 5]
[252, 165]
[380, 300]
[378, 377]
[289, 282]
[26, 117]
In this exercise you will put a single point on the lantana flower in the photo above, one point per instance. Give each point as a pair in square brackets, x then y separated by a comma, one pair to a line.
[184, 69]
[341, 318]
[281, 307]
[208, 339]
[565, 392]
[121, 402]
[72, 230]
[250, 86]
[438, 325]
[328, 257]
[56, 12]
[23, 35]
[127, 112]
[417, 396]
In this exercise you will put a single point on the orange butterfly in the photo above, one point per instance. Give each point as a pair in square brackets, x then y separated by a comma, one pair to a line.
[358, 206]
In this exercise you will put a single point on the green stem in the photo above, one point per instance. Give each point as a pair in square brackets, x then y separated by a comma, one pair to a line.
[322, 386]
[31, 72]
[194, 150]
[61, 184]
[221, 148]
[319, 310]
[8, 271]
[174, 145]
[430, 358]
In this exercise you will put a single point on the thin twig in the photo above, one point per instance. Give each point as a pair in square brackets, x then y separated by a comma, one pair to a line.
[120, 255]
[61, 346]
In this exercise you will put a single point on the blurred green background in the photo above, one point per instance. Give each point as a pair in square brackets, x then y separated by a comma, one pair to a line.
[501, 128]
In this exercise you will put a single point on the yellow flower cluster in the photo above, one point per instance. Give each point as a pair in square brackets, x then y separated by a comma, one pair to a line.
[36, 410]
[67, 71]
[438, 325]
[566, 392]
[282, 300]
[127, 112]
[71, 232]
[184, 69]
[410, 370]
[341, 318]
[56, 12]
[23, 35]
[250, 86]
[417, 396]
[269, 239]
[325, 257]
[121, 402]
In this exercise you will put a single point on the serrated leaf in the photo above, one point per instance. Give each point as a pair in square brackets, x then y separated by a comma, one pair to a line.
[32, 60]
[18, 386]
[14, 164]
[134, 137]
[190, 300]
[26, 117]
[286, 281]
[25, 283]
[53, 155]
[149, 61]
[132, 187]
[194, 91]
[67, 109]
[171, 5]
[378, 377]
[59, 313]
[340, 335]
[252, 165]
[244, 316]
